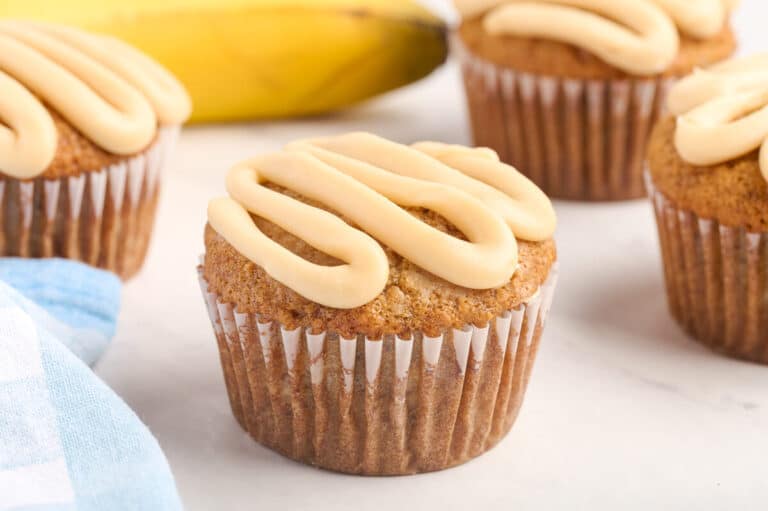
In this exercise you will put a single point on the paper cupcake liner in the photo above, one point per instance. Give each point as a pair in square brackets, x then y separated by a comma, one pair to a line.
[716, 278]
[576, 139]
[378, 407]
[103, 218]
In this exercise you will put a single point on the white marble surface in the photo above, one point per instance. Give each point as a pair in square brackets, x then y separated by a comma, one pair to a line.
[623, 411]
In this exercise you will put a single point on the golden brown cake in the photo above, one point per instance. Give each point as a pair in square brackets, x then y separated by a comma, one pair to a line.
[80, 180]
[734, 192]
[396, 370]
[707, 179]
[575, 112]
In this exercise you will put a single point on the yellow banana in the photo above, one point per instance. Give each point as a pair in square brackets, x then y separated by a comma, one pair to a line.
[244, 59]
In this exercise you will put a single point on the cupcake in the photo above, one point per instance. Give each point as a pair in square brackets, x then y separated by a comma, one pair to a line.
[90, 121]
[568, 90]
[378, 307]
[707, 178]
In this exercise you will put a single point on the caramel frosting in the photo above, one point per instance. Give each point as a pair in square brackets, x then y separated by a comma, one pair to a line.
[636, 36]
[368, 181]
[722, 112]
[110, 92]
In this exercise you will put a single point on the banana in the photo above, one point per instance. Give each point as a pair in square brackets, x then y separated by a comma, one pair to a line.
[246, 59]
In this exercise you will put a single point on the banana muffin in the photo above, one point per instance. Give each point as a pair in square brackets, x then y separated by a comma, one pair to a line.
[93, 121]
[707, 178]
[568, 90]
[378, 307]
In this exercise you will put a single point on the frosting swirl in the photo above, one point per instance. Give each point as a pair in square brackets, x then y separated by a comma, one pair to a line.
[112, 93]
[369, 180]
[723, 112]
[636, 36]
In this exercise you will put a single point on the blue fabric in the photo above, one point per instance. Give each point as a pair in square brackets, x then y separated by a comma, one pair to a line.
[67, 442]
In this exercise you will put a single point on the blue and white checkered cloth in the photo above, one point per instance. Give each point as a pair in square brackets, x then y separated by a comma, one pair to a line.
[67, 442]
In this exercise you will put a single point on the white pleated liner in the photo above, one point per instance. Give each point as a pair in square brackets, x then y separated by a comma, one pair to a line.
[95, 217]
[716, 279]
[369, 406]
[576, 139]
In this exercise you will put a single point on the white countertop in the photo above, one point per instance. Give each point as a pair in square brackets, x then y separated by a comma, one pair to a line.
[623, 411]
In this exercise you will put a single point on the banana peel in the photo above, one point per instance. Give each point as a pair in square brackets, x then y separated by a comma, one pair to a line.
[252, 59]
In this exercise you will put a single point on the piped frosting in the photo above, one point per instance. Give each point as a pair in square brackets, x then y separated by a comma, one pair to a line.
[369, 180]
[636, 36]
[112, 93]
[722, 112]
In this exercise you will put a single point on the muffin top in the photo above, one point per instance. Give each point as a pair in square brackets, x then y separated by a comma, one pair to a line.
[356, 234]
[598, 38]
[711, 156]
[74, 101]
